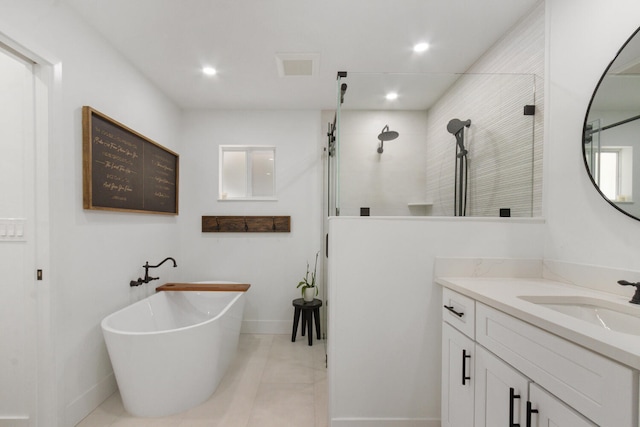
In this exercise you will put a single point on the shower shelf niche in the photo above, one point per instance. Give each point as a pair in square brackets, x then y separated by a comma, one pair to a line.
[420, 208]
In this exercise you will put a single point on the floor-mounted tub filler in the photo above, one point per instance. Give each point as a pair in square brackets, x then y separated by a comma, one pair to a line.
[170, 350]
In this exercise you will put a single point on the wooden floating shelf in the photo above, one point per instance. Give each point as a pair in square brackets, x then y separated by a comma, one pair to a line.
[246, 224]
[208, 287]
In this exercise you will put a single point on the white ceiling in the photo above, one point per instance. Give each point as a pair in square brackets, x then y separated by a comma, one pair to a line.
[170, 40]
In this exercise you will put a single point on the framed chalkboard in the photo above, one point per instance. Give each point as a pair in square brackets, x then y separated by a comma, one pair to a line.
[125, 171]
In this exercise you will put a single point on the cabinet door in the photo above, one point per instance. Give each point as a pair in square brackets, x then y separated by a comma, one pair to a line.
[598, 387]
[457, 378]
[552, 412]
[501, 392]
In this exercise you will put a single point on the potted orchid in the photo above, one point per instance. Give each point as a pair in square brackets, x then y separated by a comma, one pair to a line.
[307, 285]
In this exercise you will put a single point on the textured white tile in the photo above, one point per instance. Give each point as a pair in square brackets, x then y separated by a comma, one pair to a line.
[505, 147]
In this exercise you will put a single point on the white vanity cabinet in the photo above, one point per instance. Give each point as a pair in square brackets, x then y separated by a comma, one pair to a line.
[595, 386]
[552, 412]
[458, 360]
[457, 378]
[514, 364]
[501, 392]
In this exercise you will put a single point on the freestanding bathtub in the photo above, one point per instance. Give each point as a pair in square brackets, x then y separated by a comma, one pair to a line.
[170, 350]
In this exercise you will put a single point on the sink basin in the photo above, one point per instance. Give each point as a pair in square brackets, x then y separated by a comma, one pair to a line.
[605, 314]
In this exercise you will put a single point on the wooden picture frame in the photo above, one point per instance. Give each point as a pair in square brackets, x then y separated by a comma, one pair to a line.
[123, 170]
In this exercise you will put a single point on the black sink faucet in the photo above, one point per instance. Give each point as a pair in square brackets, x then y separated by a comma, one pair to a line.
[148, 278]
[636, 296]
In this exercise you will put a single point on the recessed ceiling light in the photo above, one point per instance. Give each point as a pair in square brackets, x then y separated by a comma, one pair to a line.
[391, 96]
[209, 71]
[421, 47]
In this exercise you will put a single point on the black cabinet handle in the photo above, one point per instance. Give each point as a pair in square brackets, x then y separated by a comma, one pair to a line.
[451, 309]
[512, 397]
[529, 412]
[465, 356]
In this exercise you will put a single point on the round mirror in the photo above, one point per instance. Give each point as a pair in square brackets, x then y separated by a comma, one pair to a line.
[611, 134]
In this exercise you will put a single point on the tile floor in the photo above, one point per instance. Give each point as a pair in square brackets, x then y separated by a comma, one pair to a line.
[272, 382]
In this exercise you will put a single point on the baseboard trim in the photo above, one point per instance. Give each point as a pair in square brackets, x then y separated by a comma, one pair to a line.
[278, 327]
[82, 406]
[385, 422]
[14, 422]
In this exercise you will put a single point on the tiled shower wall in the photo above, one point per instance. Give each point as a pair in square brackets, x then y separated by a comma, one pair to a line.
[505, 146]
[385, 183]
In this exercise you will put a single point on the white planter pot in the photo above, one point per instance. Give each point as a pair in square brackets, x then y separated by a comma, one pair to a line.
[309, 294]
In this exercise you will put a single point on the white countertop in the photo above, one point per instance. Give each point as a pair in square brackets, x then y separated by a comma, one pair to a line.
[502, 294]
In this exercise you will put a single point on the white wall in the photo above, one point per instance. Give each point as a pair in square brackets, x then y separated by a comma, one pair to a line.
[384, 309]
[273, 263]
[93, 255]
[583, 37]
[385, 182]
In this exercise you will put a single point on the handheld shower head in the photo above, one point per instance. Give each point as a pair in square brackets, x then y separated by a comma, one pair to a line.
[386, 135]
[456, 125]
[343, 90]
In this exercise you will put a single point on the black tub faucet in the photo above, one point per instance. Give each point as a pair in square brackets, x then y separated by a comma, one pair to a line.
[636, 296]
[148, 278]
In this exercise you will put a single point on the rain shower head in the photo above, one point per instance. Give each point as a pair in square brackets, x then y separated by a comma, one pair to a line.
[386, 135]
[456, 125]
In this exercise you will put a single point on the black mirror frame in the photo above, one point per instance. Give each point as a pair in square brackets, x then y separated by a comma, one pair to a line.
[586, 118]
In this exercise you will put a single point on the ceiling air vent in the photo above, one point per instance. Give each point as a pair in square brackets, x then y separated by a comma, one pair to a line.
[297, 64]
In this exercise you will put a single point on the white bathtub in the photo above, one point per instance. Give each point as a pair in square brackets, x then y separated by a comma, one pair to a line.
[170, 351]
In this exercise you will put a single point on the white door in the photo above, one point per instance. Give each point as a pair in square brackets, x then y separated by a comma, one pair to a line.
[457, 378]
[551, 412]
[501, 392]
[18, 300]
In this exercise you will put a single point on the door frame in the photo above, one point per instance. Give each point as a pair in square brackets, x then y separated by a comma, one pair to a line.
[42, 386]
